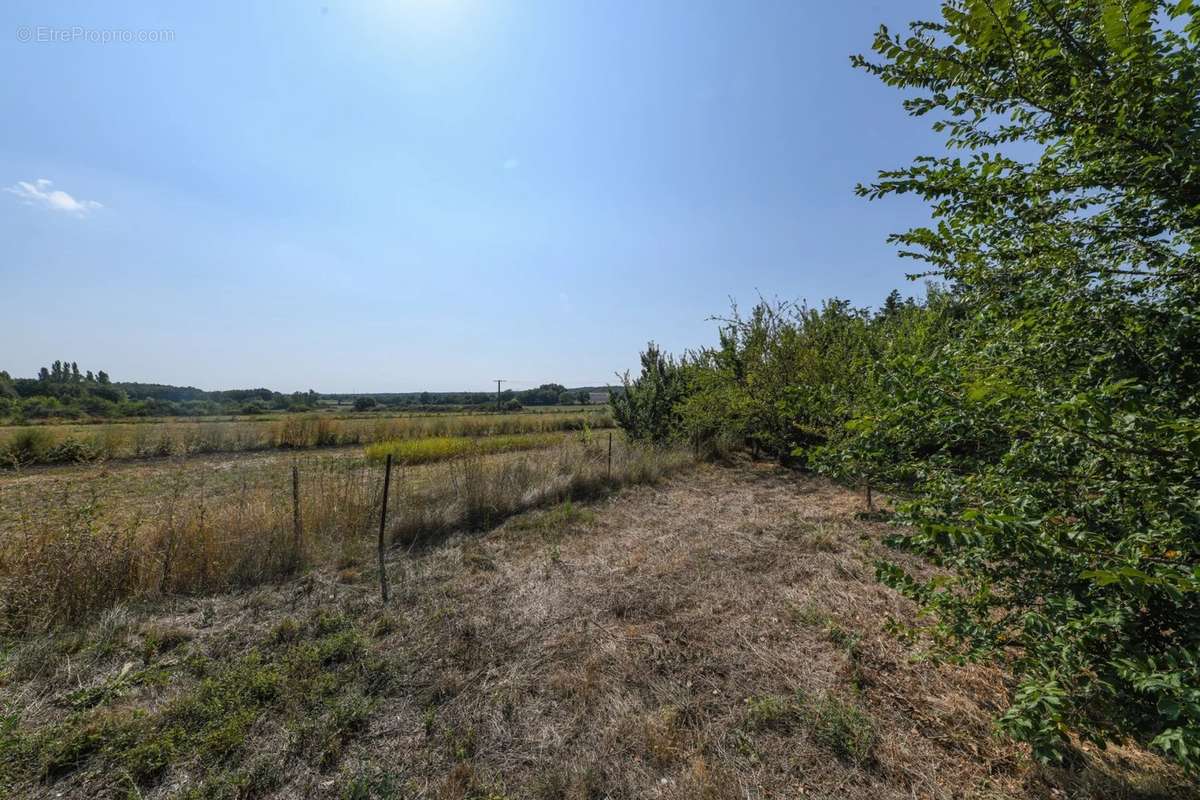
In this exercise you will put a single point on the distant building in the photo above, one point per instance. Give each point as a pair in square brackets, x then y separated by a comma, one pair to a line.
[597, 398]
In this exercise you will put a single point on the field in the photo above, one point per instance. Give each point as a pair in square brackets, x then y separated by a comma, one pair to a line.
[711, 632]
[77, 442]
[76, 539]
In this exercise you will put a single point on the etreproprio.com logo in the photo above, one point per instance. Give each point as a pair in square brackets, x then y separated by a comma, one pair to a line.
[46, 34]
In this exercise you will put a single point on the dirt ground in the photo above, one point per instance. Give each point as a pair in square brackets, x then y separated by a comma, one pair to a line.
[721, 635]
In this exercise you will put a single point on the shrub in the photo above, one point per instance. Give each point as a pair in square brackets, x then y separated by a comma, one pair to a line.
[648, 407]
[1037, 415]
[1059, 428]
[27, 446]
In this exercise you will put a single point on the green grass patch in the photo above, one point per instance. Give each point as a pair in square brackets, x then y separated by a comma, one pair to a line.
[442, 448]
[843, 727]
[564, 516]
[833, 722]
[316, 681]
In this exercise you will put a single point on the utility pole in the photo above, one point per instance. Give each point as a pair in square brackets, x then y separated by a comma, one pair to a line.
[498, 382]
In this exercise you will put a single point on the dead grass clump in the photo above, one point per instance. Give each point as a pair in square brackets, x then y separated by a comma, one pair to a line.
[158, 639]
[462, 783]
[476, 558]
[704, 782]
[662, 738]
[570, 782]
[348, 575]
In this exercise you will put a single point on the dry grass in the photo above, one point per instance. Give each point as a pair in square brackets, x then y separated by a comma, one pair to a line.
[444, 448]
[690, 640]
[74, 443]
[72, 545]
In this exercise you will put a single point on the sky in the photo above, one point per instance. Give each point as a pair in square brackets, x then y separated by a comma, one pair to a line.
[432, 194]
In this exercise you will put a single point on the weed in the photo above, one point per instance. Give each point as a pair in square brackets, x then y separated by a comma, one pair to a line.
[843, 727]
[553, 522]
[459, 742]
[383, 624]
[158, 639]
[372, 785]
[286, 631]
[662, 736]
[771, 712]
[809, 615]
[846, 640]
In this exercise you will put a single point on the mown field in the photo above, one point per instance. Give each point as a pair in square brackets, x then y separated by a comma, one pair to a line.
[71, 443]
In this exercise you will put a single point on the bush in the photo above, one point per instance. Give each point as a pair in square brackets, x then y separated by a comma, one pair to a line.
[1037, 417]
[27, 446]
[1058, 430]
[69, 451]
[364, 403]
[648, 408]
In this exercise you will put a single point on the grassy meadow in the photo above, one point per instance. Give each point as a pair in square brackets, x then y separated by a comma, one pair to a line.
[30, 445]
[77, 539]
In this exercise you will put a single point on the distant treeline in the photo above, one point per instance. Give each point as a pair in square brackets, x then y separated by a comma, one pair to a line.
[548, 394]
[63, 391]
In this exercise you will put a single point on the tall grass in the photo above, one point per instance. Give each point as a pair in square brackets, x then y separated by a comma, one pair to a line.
[442, 448]
[64, 444]
[74, 548]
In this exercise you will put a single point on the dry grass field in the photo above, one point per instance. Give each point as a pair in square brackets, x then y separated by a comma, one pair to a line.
[24, 445]
[715, 634]
[77, 539]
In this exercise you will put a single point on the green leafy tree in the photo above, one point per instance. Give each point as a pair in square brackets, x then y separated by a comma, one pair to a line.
[648, 407]
[1056, 440]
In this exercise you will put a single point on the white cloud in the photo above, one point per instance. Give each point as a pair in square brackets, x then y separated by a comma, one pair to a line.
[40, 193]
[511, 163]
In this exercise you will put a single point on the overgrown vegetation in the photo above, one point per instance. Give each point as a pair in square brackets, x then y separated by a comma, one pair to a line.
[71, 444]
[69, 549]
[1037, 412]
[320, 681]
[63, 392]
[441, 448]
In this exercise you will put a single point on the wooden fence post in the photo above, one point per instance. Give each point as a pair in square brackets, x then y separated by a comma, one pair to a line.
[297, 528]
[610, 456]
[387, 481]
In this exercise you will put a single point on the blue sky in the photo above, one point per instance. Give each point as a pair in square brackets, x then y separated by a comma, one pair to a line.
[395, 196]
